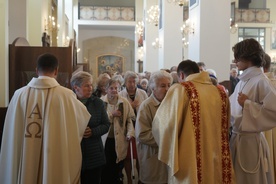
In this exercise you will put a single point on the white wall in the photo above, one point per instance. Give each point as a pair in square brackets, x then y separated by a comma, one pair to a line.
[17, 19]
[211, 40]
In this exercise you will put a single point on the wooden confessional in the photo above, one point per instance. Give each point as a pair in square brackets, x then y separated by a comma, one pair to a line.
[22, 64]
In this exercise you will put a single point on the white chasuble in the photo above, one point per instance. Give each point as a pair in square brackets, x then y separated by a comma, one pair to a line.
[42, 132]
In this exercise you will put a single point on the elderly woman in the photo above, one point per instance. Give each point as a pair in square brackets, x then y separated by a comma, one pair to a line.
[120, 132]
[101, 83]
[93, 157]
[151, 169]
[252, 111]
[135, 96]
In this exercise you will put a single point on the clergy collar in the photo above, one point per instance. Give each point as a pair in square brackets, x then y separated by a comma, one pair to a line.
[44, 77]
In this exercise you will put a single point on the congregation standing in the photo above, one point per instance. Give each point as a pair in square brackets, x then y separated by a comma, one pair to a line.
[171, 126]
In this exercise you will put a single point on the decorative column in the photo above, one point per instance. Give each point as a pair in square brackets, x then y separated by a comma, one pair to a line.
[138, 67]
[211, 39]
[169, 34]
[150, 62]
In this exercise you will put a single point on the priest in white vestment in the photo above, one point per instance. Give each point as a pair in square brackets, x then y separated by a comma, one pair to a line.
[42, 132]
[253, 111]
[191, 129]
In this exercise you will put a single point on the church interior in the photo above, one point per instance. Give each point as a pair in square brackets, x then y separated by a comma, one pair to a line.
[140, 35]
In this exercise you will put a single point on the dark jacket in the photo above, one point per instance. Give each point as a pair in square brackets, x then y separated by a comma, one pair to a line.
[93, 154]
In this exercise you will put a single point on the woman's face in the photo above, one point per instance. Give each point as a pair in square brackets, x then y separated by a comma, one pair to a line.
[144, 85]
[112, 90]
[161, 88]
[85, 90]
[242, 64]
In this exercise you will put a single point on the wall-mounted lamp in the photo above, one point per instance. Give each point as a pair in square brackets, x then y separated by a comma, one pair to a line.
[50, 24]
[66, 41]
[233, 26]
[185, 42]
[187, 28]
[156, 44]
[139, 28]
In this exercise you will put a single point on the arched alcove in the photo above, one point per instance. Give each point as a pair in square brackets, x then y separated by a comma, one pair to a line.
[111, 49]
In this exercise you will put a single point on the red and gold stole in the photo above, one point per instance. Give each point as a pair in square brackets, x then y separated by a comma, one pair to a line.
[193, 95]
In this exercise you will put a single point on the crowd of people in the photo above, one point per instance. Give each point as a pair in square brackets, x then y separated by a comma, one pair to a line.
[179, 125]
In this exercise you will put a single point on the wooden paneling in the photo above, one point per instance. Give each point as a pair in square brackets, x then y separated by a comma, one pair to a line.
[22, 64]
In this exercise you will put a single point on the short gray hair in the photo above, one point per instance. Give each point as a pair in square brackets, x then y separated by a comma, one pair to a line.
[144, 81]
[130, 74]
[103, 77]
[119, 78]
[157, 76]
[78, 78]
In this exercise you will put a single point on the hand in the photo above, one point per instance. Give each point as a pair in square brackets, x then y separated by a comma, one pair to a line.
[87, 132]
[116, 113]
[130, 138]
[241, 99]
[134, 104]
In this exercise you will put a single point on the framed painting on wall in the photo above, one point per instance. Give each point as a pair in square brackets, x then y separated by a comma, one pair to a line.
[111, 63]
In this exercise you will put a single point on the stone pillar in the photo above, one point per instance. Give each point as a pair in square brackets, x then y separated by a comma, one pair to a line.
[150, 62]
[138, 49]
[4, 53]
[211, 39]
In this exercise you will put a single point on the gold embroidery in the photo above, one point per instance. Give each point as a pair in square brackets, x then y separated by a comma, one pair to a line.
[226, 158]
[195, 110]
[193, 95]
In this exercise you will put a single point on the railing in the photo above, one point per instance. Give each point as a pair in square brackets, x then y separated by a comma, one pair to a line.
[252, 15]
[106, 13]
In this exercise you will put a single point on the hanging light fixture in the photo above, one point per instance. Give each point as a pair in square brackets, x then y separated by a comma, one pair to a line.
[179, 2]
[156, 44]
[50, 24]
[187, 28]
[153, 15]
